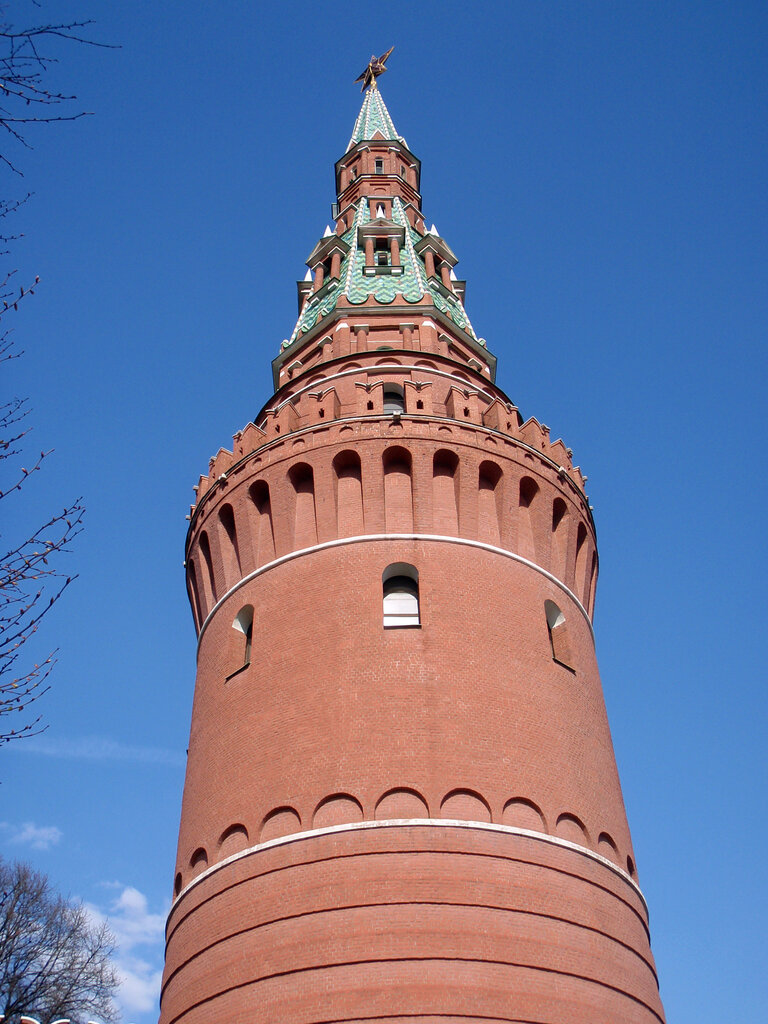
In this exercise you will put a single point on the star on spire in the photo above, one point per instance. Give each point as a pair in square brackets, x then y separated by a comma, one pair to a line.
[375, 68]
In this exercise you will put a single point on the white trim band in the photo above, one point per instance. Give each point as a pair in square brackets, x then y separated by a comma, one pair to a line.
[388, 537]
[356, 826]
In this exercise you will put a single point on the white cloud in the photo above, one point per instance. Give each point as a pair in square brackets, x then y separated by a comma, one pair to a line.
[139, 935]
[100, 748]
[39, 837]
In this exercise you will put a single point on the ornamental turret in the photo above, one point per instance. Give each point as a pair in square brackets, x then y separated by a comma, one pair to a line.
[401, 798]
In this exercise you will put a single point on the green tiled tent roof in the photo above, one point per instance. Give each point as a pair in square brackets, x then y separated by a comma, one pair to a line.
[373, 117]
[356, 286]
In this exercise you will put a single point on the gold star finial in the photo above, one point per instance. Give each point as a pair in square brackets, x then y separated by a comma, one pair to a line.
[375, 68]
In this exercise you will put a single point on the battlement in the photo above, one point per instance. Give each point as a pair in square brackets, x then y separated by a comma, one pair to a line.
[356, 390]
[384, 474]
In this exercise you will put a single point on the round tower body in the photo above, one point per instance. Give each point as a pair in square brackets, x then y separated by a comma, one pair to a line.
[401, 797]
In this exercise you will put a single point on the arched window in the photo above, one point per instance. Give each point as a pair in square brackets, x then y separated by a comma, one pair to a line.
[243, 626]
[393, 399]
[558, 635]
[400, 585]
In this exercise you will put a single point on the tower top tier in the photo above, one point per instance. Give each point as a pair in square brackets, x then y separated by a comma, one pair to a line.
[379, 264]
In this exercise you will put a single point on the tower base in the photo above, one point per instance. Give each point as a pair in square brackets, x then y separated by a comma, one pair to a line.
[411, 920]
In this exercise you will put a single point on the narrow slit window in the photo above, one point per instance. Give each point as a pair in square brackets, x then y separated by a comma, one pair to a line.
[558, 636]
[242, 639]
[400, 584]
[379, 166]
[248, 643]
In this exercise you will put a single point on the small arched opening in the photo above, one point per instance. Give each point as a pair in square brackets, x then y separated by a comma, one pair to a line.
[400, 591]
[558, 635]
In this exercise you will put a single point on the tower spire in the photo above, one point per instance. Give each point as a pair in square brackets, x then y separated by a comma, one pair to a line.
[373, 117]
[381, 255]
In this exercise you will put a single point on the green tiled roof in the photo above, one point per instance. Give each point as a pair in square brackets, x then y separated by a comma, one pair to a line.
[373, 117]
[356, 286]
[353, 284]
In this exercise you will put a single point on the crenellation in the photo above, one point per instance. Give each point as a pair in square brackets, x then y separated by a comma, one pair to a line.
[560, 454]
[433, 480]
[322, 410]
[533, 434]
[418, 397]
[463, 404]
[251, 438]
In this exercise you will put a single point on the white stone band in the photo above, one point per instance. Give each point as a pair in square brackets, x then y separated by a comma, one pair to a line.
[356, 826]
[399, 537]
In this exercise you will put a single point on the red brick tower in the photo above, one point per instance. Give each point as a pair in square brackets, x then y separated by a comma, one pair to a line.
[401, 798]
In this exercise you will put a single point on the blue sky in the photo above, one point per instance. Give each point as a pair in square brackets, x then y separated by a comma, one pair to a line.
[599, 169]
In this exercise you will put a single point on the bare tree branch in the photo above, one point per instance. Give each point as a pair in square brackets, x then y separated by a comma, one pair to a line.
[31, 580]
[55, 960]
[25, 96]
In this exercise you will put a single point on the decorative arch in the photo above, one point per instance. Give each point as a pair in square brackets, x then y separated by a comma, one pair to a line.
[445, 492]
[592, 586]
[401, 804]
[281, 821]
[349, 494]
[302, 478]
[194, 593]
[263, 531]
[338, 809]
[580, 570]
[465, 805]
[573, 829]
[209, 580]
[522, 813]
[559, 537]
[606, 847]
[229, 546]
[398, 490]
[489, 503]
[198, 862]
[526, 545]
[233, 840]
